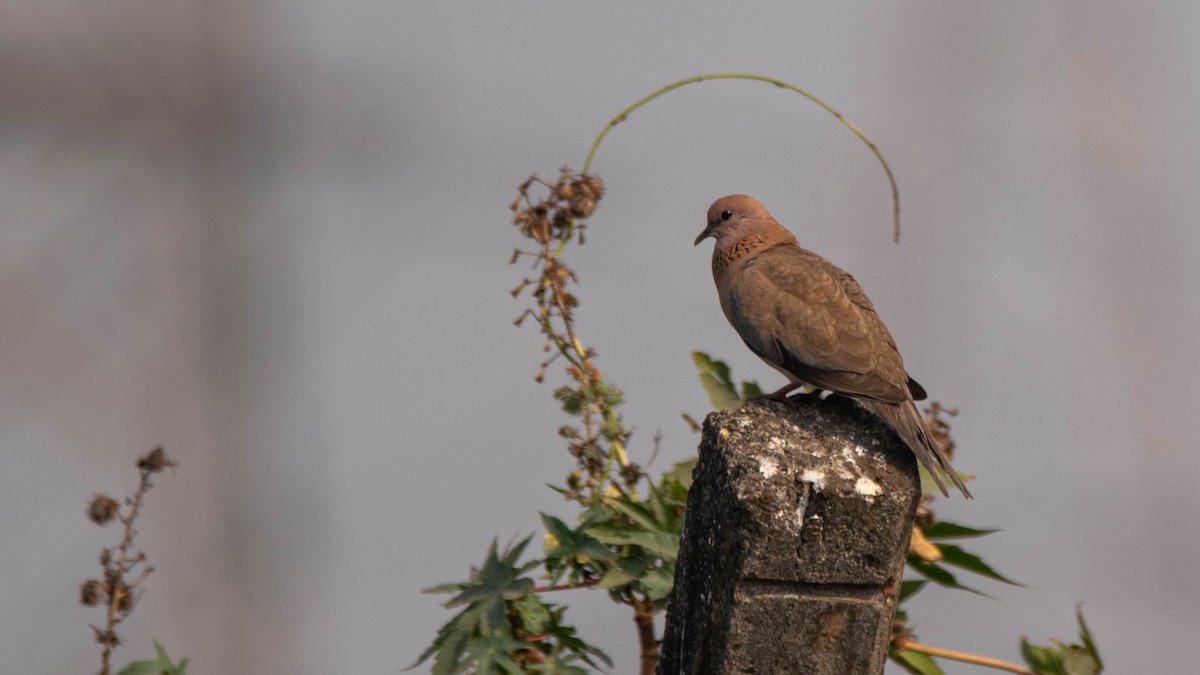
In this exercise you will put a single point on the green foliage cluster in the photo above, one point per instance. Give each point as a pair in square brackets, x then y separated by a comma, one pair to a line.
[1065, 659]
[504, 626]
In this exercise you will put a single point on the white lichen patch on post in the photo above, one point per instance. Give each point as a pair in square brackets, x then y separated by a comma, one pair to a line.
[816, 478]
[802, 508]
[767, 467]
[868, 488]
[852, 451]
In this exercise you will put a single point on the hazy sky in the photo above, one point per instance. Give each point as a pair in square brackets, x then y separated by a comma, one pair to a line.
[274, 236]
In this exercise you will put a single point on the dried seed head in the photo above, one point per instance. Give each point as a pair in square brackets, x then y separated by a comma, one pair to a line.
[564, 190]
[155, 462]
[91, 592]
[587, 191]
[594, 185]
[102, 509]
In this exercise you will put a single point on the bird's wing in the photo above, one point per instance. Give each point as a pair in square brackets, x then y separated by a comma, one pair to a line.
[806, 315]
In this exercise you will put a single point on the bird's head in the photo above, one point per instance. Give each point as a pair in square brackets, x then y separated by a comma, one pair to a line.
[735, 217]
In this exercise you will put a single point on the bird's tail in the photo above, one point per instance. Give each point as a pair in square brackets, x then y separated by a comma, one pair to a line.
[908, 423]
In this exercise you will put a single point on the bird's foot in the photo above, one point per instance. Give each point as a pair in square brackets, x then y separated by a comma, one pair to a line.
[781, 394]
[785, 393]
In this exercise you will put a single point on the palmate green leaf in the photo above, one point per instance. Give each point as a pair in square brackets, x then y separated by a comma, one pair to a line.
[917, 663]
[714, 375]
[947, 530]
[498, 583]
[938, 574]
[955, 555]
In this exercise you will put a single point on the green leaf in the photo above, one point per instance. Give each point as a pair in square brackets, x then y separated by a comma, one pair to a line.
[627, 570]
[1042, 660]
[908, 588]
[938, 574]
[1085, 634]
[638, 513]
[658, 582]
[955, 555]
[918, 663]
[444, 588]
[947, 530]
[662, 544]
[714, 375]
[750, 389]
[534, 615]
[681, 473]
[493, 654]
[571, 550]
[163, 665]
[616, 576]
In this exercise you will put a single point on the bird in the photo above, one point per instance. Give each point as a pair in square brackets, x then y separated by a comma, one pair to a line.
[810, 320]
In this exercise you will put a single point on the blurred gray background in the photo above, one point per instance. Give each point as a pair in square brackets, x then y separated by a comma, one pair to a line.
[273, 237]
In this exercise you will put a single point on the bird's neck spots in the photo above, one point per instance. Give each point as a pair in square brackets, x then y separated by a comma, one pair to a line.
[729, 256]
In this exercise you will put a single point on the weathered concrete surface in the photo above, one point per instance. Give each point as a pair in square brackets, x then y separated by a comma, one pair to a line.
[797, 525]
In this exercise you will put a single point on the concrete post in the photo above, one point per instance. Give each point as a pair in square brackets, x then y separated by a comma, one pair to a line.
[797, 526]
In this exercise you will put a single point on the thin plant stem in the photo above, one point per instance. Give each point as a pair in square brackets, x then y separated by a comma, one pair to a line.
[624, 114]
[964, 657]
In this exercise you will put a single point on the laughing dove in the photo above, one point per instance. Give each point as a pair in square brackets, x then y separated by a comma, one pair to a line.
[810, 320]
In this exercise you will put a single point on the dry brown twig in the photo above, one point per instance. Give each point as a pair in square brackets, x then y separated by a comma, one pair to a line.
[551, 223]
[116, 590]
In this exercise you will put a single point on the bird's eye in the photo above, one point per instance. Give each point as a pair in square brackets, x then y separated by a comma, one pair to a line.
[726, 214]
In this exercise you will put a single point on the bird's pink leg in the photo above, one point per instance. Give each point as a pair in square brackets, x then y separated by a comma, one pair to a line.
[779, 394]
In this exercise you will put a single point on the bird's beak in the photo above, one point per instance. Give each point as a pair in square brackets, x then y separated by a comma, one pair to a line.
[703, 235]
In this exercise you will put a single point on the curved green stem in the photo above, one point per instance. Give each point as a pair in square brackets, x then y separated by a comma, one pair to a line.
[624, 114]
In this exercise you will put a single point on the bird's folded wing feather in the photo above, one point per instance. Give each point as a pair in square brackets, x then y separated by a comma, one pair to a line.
[811, 318]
